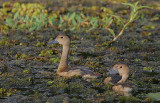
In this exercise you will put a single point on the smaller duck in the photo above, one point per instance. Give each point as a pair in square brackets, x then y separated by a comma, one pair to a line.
[118, 76]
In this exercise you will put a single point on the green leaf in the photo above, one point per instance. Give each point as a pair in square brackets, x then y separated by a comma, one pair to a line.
[91, 28]
[15, 24]
[22, 18]
[136, 3]
[36, 19]
[110, 22]
[79, 19]
[26, 19]
[141, 7]
[72, 16]
[82, 15]
[39, 26]
[129, 4]
[74, 22]
[73, 28]
[9, 21]
[93, 19]
[111, 31]
[51, 20]
[110, 19]
[61, 20]
[43, 17]
[16, 15]
[95, 24]
[155, 96]
[32, 28]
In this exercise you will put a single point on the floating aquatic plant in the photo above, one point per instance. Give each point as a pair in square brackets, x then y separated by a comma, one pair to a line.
[149, 68]
[134, 12]
[33, 16]
[46, 52]
[4, 92]
[154, 96]
[21, 56]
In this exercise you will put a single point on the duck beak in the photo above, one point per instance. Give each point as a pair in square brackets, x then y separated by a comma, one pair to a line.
[53, 42]
[113, 71]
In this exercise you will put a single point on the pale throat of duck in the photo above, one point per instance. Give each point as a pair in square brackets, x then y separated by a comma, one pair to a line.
[63, 65]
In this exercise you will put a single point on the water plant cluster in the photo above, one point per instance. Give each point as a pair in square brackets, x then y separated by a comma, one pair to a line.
[34, 16]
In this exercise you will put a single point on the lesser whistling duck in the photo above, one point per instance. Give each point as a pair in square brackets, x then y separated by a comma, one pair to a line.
[63, 69]
[119, 75]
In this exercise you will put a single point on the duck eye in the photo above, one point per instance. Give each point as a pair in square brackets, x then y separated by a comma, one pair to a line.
[61, 37]
[120, 66]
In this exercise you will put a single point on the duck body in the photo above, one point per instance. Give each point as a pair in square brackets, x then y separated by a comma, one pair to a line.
[63, 69]
[78, 71]
[112, 79]
[125, 89]
[118, 76]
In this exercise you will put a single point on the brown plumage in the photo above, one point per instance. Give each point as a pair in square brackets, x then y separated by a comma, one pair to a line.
[63, 69]
[118, 76]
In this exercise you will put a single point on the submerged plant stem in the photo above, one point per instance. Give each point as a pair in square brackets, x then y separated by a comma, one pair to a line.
[121, 32]
[133, 15]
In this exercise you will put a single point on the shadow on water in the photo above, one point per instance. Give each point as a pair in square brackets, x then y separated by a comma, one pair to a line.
[86, 55]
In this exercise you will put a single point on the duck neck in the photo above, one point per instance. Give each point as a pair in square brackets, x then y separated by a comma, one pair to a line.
[63, 65]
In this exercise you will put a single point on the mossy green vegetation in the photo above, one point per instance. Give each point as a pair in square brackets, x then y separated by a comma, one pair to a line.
[27, 71]
[46, 53]
[21, 56]
[33, 16]
[149, 68]
[92, 64]
[4, 42]
[4, 92]
[117, 1]
[154, 96]
[124, 99]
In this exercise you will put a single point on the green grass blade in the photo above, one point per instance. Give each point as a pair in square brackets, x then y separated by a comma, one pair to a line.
[111, 31]
[16, 15]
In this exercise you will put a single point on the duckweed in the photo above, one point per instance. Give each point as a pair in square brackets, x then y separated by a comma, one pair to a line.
[4, 92]
[146, 33]
[46, 53]
[5, 41]
[92, 64]
[21, 56]
[129, 99]
[54, 60]
[155, 96]
[149, 68]
[147, 27]
[58, 85]
[26, 71]
[76, 87]
[39, 44]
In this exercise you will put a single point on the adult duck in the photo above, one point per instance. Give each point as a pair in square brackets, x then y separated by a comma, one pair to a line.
[63, 69]
[118, 76]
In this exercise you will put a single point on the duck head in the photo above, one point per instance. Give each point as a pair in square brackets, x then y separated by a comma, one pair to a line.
[123, 69]
[61, 39]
